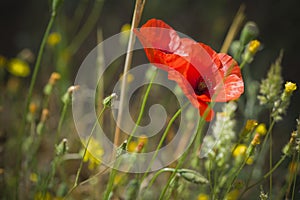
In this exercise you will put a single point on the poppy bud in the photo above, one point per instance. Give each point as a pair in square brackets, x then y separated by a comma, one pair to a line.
[192, 176]
[249, 32]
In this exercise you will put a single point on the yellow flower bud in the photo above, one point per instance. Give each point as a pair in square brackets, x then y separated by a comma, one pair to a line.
[233, 195]
[32, 107]
[239, 150]
[203, 196]
[131, 146]
[53, 78]
[290, 87]
[256, 140]
[250, 125]
[249, 161]
[53, 39]
[253, 46]
[261, 129]
[18, 67]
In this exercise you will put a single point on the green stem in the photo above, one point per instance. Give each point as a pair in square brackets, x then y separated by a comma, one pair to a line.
[36, 70]
[110, 184]
[270, 163]
[142, 107]
[266, 175]
[290, 179]
[183, 157]
[260, 152]
[158, 173]
[235, 175]
[85, 151]
[29, 96]
[295, 176]
[243, 64]
[61, 119]
[162, 140]
[87, 27]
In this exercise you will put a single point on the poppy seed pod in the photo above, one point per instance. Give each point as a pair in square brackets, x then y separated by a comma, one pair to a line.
[249, 32]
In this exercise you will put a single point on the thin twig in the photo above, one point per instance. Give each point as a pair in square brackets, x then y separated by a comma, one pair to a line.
[234, 28]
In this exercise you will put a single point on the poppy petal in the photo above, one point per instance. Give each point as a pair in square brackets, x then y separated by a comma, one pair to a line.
[201, 73]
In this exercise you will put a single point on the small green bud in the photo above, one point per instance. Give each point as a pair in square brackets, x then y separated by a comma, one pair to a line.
[66, 98]
[62, 147]
[249, 32]
[192, 176]
[108, 100]
[121, 149]
[48, 89]
[40, 128]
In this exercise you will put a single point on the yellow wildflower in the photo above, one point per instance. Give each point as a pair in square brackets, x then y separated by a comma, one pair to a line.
[250, 125]
[233, 195]
[33, 177]
[18, 67]
[240, 150]
[203, 196]
[290, 87]
[126, 27]
[250, 161]
[93, 154]
[118, 179]
[124, 36]
[261, 129]
[129, 77]
[53, 39]
[41, 196]
[131, 146]
[253, 46]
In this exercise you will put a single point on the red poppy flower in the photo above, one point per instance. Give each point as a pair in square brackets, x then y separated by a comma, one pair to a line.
[202, 74]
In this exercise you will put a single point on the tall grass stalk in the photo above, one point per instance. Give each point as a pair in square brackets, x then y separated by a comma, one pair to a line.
[137, 14]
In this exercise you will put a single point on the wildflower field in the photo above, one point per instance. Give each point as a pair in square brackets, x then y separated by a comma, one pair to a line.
[149, 100]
